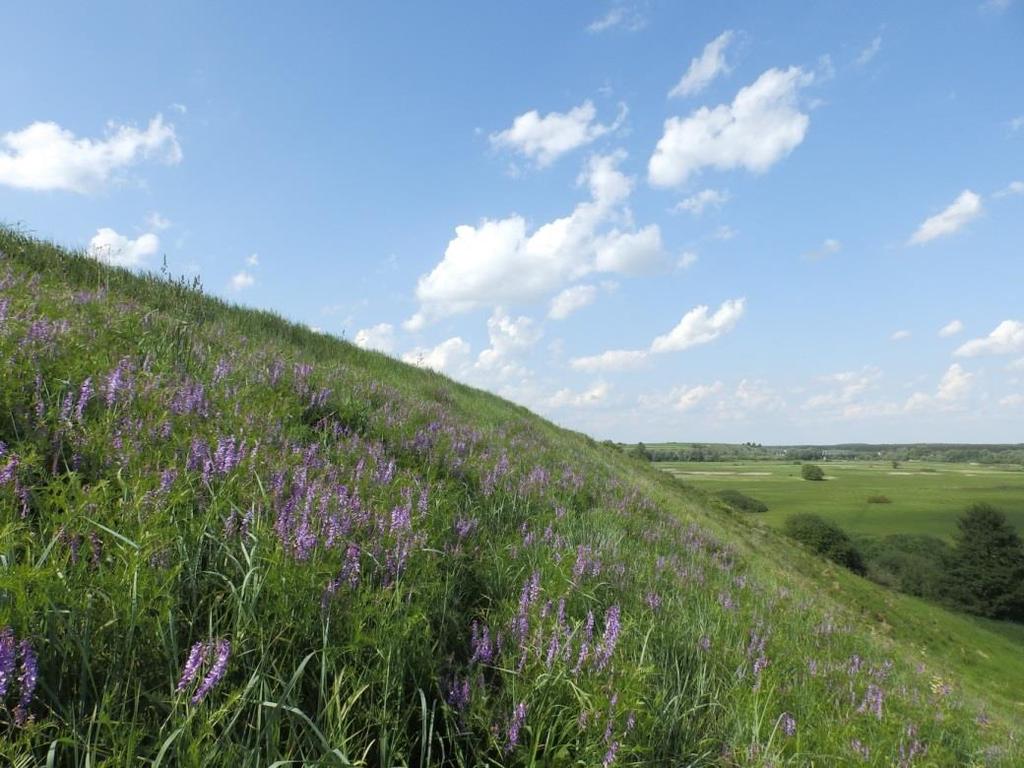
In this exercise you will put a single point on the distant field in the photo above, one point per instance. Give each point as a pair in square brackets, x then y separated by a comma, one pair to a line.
[926, 497]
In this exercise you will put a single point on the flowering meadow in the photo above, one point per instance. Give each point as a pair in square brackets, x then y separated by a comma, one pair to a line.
[228, 540]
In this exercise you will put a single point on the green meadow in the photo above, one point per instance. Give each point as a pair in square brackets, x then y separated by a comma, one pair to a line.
[924, 497]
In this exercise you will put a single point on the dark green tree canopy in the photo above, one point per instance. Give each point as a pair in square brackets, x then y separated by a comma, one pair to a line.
[986, 575]
[811, 472]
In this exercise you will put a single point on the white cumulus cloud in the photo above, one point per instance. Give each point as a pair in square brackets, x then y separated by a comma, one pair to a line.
[953, 388]
[499, 262]
[1007, 338]
[612, 360]
[242, 280]
[952, 328]
[956, 216]
[901, 335]
[44, 156]
[448, 356]
[870, 52]
[699, 327]
[696, 203]
[380, 337]
[119, 250]
[571, 300]
[594, 395]
[544, 139]
[625, 17]
[762, 125]
[510, 337]
[704, 68]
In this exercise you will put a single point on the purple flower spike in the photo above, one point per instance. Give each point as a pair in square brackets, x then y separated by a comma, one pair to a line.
[515, 726]
[196, 657]
[220, 666]
[7, 660]
[27, 682]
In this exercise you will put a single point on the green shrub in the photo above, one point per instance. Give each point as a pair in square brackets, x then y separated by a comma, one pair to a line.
[986, 574]
[879, 498]
[912, 564]
[811, 472]
[742, 502]
[826, 539]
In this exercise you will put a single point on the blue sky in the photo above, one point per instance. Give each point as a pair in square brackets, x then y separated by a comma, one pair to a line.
[659, 221]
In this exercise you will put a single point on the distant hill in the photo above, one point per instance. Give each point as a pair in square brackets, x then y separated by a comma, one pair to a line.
[226, 539]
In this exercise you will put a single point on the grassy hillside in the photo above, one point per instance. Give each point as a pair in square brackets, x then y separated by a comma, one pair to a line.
[228, 540]
[924, 497]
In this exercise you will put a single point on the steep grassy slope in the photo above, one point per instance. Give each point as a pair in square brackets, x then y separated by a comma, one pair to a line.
[228, 540]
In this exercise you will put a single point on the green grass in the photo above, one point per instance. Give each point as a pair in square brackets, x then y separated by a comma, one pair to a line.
[640, 623]
[925, 497]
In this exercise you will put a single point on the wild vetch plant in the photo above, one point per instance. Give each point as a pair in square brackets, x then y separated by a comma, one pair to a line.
[229, 540]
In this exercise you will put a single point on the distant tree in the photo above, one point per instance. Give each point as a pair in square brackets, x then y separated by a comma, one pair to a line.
[986, 574]
[811, 472]
[825, 538]
[639, 451]
[741, 501]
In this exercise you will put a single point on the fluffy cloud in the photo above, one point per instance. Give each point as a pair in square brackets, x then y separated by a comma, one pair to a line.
[1013, 188]
[952, 328]
[448, 356]
[509, 337]
[155, 221]
[567, 398]
[845, 388]
[612, 360]
[954, 386]
[570, 300]
[112, 248]
[630, 253]
[901, 335]
[698, 327]
[686, 260]
[957, 215]
[704, 68]
[545, 139]
[761, 126]
[686, 398]
[1012, 401]
[380, 337]
[240, 281]
[620, 16]
[499, 262]
[870, 52]
[45, 156]
[1006, 339]
[696, 203]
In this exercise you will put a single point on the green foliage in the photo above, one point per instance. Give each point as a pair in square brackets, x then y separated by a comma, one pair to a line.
[879, 498]
[741, 501]
[811, 472]
[914, 564]
[123, 545]
[986, 571]
[826, 539]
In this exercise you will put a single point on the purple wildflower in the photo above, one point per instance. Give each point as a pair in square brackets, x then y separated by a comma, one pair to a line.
[84, 396]
[788, 724]
[196, 657]
[610, 638]
[26, 681]
[220, 666]
[515, 726]
[873, 700]
[7, 660]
